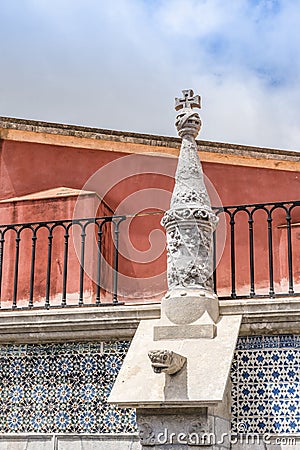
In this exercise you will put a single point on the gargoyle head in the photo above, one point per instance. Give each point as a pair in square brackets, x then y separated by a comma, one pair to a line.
[166, 361]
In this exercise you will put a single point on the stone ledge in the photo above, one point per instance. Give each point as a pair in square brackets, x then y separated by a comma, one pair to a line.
[69, 441]
[80, 324]
[268, 316]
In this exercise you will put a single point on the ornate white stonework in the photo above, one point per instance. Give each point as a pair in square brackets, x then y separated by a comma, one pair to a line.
[190, 222]
[182, 389]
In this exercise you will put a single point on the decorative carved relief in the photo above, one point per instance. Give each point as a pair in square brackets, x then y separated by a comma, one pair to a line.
[146, 434]
[189, 213]
[198, 427]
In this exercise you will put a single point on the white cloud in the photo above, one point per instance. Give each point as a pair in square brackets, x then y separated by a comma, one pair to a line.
[120, 64]
[194, 18]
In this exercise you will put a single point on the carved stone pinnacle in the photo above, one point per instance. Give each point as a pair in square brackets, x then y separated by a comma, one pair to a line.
[190, 222]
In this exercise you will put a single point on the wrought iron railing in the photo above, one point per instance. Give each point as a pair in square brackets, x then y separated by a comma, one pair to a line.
[28, 251]
[261, 251]
[76, 262]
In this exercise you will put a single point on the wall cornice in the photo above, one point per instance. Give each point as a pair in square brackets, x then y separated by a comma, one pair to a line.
[270, 316]
[22, 130]
[267, 316]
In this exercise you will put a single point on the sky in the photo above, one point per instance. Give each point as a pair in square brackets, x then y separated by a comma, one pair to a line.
[119, 65]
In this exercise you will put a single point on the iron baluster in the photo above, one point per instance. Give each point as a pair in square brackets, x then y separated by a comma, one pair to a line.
[2, 240]
[270, 253]
[290, 252]
[99, 244]
[215, 262]
[116, 260]
[82, 258]
[32, 268]
[49, 261]
[232, 255]
[251, 255]
[65, 269]
[16, 272]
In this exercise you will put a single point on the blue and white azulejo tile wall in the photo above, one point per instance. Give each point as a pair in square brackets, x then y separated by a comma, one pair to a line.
[57, 388]
[266, 385]
[53, 388]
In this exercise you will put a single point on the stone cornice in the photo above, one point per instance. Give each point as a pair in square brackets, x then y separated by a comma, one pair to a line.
[128, 142]
[270, 316]
[267, 316]
[74, 324]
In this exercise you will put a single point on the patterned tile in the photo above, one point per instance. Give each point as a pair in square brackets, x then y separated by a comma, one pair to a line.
[270, 341]
[266, 384]
[64, 387]
[242, 343]
[286, 341]
[61, 388]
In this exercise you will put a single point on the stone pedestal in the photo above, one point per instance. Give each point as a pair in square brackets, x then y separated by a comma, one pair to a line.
[194, 398]
[187, 428]
[201, 382]
[187, 314]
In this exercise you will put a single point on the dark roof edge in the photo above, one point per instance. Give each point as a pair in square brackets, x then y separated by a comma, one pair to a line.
[140, 138]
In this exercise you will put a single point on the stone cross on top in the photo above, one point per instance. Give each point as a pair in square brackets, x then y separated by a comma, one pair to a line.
[189, 101]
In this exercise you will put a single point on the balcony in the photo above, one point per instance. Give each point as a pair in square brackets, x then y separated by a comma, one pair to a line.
[78, 263]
